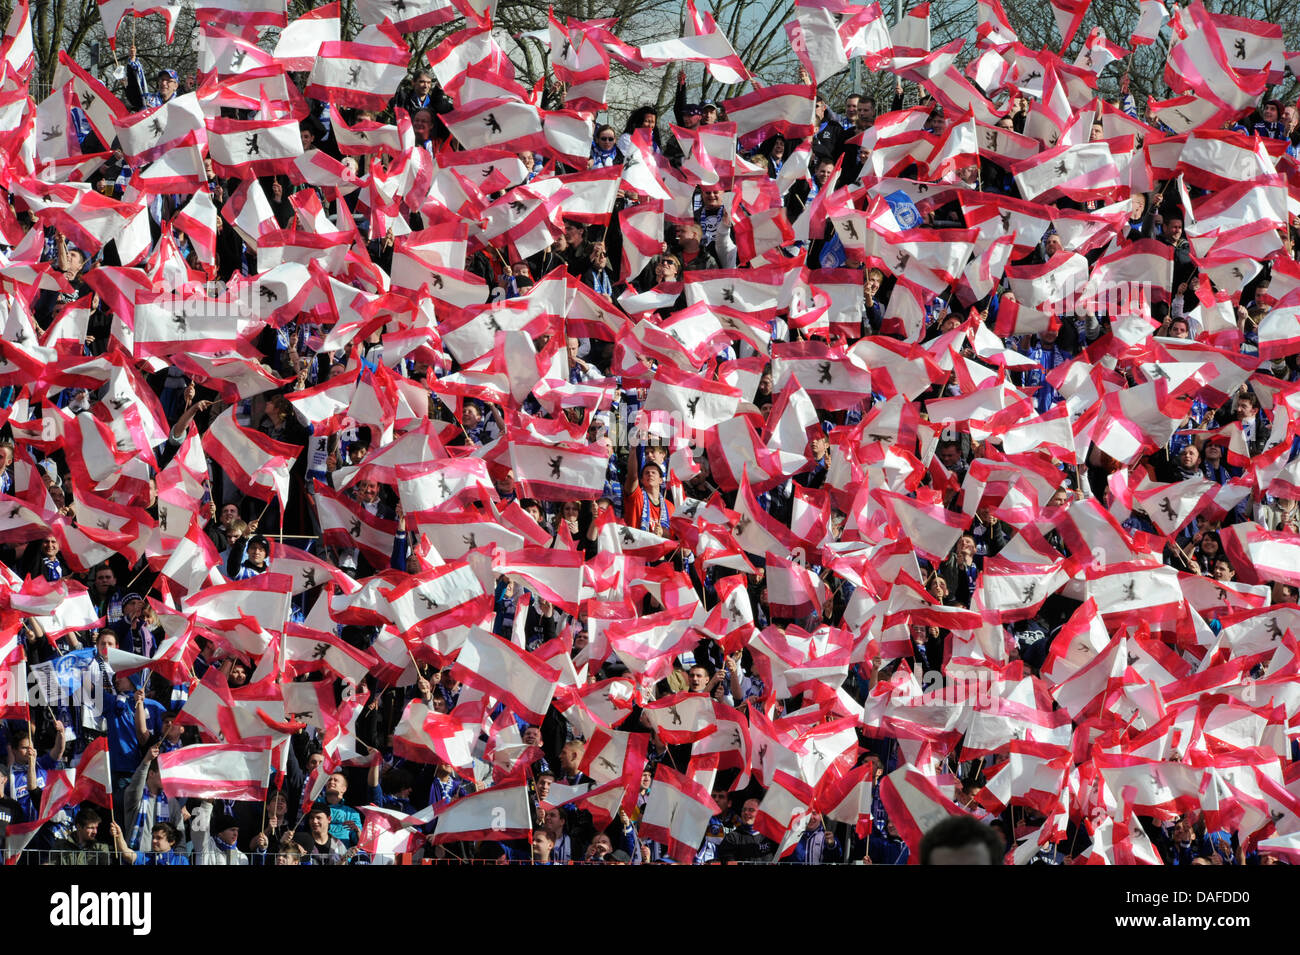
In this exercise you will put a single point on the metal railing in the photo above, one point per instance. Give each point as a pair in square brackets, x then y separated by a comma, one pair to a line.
[71, 858]
[60, 857]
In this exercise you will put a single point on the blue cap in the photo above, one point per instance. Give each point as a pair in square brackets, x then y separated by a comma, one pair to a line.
[170, 74]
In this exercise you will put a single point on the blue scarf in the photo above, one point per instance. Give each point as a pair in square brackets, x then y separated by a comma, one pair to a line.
[222, 845]
[600, 282]
[663, 511]
[603, 157]
[709, 223]
[162, 813]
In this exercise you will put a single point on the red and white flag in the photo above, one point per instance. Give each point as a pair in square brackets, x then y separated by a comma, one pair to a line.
[677, 813]
[1069, 15]
[496, 122]
[911, 34]
[254, 147]
[783, 110]
[497, 667]
[705, 43]
[848, 798]
[345, 523]
[307, 650]
[359, 74]
[149, 134]
[216, 771]
[1084, 172]
[300, 41]
[501, 813]
[258, 465]
[643, 236]
[94, 776]
[112, 12]
[558, 472]
[915, 806]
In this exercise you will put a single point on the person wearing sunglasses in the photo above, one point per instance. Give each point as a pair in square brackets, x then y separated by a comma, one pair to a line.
[604, 149]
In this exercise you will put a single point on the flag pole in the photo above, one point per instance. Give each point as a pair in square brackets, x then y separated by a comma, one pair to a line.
[265, 508]
[113, 848]
[112, 48]
[137, 573]
[1183, 557]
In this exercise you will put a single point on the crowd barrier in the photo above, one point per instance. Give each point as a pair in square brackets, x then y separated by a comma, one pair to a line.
[68, 858]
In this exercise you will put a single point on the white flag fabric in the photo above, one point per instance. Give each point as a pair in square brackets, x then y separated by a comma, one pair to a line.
[216, 771]
[498, 667]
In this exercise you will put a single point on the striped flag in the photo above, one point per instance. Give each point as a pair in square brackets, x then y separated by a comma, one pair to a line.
[500, 813]
[677, 813]
[94, 777]
[300, 41]
[496, 666]
[258, 465]
[216, 771]
[357, 74]
[643, 235]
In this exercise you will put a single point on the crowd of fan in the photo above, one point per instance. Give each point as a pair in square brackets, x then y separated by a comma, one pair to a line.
[138, 714]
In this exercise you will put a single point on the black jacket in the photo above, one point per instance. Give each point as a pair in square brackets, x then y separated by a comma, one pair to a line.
[826, 141]
[741, 845]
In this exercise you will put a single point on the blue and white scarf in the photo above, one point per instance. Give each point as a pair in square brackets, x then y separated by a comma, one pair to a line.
[663, 511]
[151, 811]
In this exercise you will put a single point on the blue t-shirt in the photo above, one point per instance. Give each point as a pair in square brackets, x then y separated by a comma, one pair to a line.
[340, 816]
[170, 857]
[22, 791]
[124, 749]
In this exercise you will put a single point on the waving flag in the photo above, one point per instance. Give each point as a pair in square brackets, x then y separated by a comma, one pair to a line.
[785, 110]
[703, 43]
[358, 74]
[1069, 15]
[300, 41]
[254, 146]
[258, 464]
[501, 812]
[677, 813]
[112, 13]
[915, 806]
[498, 667]
[216, 771]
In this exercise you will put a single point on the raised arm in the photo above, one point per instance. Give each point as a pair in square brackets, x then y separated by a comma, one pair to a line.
[119, 841]
[141, 716]
[183, 422]
[136, 87]
[60, 741]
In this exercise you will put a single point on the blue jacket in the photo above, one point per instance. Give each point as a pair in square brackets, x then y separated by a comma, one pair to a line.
[811, 849]
[170, 857]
